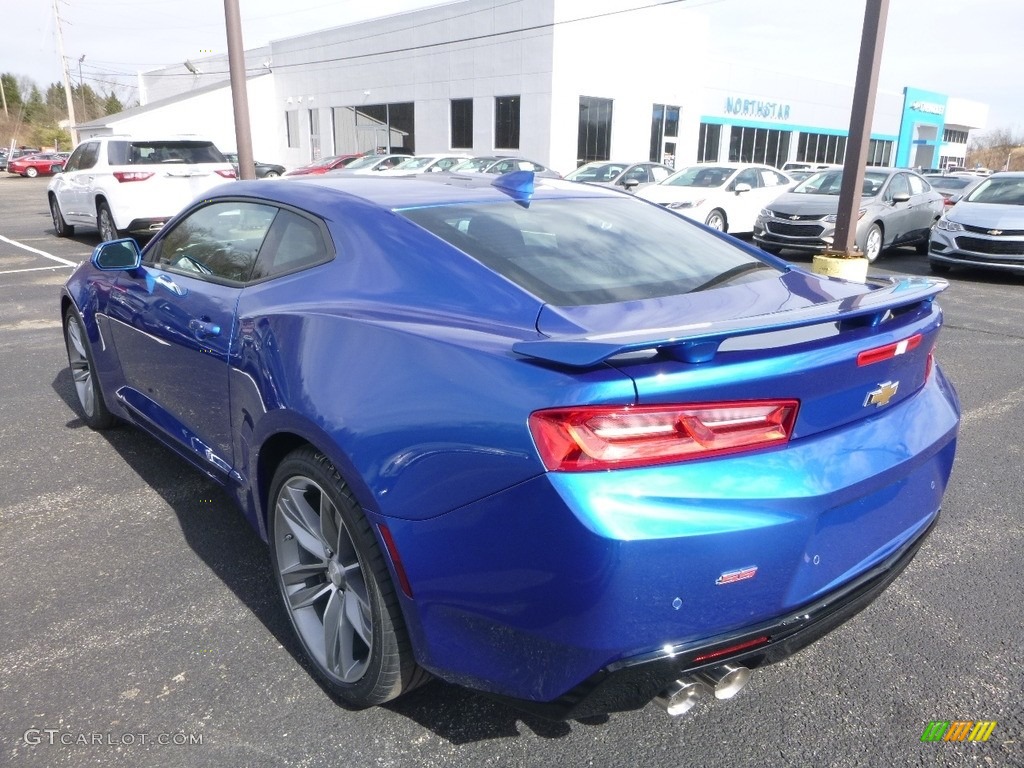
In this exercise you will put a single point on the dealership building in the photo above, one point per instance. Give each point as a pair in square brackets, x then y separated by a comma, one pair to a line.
[556, 81]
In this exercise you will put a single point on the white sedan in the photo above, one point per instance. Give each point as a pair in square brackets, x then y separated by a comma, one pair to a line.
[725, 196]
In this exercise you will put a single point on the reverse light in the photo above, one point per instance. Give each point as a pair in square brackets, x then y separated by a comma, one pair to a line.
[889, 351]
[228, 174]
[123, 176]
[602, 437]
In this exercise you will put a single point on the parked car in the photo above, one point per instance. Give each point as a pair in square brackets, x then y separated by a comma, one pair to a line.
[499, 164]
[122, 185]
[425, 164]
[624, 175]
[808, 166]
[985, 229]
[369, 164]
[323, 166]
[45, 163]
[538, 440]
[898, 207]
[724, 196]
[263, 170]
[18, 152]
[953, 187]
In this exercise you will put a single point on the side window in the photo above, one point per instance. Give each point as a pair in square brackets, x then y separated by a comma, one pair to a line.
[503, 167]
[219, 241]
[747, 176]
[84, 157]
[637, 172]
[75, 161]
[293, 243]
[773, 179]
[660, 173]
[917, 185]
[898, 186]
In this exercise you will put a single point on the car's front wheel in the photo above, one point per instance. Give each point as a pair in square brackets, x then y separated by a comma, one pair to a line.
[716, 220]
[873, 243]
[60, 227]
[105, 223]
[83, 373]
[335, 584]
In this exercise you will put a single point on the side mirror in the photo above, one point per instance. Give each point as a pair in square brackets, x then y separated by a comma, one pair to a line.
[115, 255]
[631, 184]
[902, 197]
[742, 187]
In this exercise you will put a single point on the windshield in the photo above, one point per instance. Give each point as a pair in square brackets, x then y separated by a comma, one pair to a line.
[829, 182]
[413, 163]
[364, 162]
[1007, 191]
[596, 172]
[476, 164]
[572, 252]
[700, 176]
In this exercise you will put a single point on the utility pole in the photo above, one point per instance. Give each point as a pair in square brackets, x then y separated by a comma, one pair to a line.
[81, 85]
[3, 95]
[875, 13]
[73, 128]
[239, 95]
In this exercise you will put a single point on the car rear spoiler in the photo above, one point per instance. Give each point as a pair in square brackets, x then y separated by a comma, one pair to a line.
[699, 342]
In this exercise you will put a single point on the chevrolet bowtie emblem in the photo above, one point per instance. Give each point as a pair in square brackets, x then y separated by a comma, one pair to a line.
[995, 231]
[794, 217]
[882, 395]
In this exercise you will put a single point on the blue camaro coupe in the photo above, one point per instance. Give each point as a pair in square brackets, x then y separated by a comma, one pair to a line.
[545, 440]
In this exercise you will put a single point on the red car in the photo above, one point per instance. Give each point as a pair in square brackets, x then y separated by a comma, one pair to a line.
[33, 165]
[323, 166]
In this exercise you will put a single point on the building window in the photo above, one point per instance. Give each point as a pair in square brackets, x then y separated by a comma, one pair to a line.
[879, 152]
[758, 145]
[291, 118]
[462, 123]
[821, 148]
[314, 134]
[594, 137]
[375, 128]
[506, 122]
[954, 137]
[664, 124]
[708, 143]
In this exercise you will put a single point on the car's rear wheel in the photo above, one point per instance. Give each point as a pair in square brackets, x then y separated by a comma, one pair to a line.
[105, 222]
[31, 172]
[873, 242]
[60, 227]
[83, 373]
[335, 584]
[716, 220]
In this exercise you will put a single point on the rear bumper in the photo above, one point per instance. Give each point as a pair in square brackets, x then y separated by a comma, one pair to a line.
[632, 683]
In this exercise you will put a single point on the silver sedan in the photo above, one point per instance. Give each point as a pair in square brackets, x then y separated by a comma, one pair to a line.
[898, 207]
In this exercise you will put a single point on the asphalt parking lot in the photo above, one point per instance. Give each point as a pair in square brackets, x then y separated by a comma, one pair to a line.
[140, 626]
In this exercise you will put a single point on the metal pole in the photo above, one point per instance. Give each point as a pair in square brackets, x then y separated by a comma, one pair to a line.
[871, 40]
[81, 85]
[239, 96]
[73, 128]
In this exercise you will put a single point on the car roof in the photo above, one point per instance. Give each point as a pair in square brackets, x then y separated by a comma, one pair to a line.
[319, 193]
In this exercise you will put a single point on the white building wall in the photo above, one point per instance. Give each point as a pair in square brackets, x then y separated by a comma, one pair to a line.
[174, 80]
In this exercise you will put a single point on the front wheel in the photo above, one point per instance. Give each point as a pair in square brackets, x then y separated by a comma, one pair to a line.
[716, 220]
[83, 372]
[873, 243]
[105, 223]
[335, 584]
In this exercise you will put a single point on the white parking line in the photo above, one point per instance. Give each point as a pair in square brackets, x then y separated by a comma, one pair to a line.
[58, 259]
[38, 269]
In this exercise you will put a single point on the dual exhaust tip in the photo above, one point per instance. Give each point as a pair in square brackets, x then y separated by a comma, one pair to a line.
[722, 682]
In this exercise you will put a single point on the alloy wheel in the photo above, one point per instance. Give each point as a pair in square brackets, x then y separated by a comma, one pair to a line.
[81, 371]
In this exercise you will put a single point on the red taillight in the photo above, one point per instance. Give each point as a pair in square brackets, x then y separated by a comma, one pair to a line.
[228, 174]
[729, 650]
[610, 437]
[878, 354]
[123, 176]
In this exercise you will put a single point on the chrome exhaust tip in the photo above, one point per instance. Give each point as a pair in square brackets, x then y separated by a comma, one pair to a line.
[682, 696]
[726, 681]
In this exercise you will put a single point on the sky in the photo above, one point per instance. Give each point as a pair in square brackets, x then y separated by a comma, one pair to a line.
[970, 49]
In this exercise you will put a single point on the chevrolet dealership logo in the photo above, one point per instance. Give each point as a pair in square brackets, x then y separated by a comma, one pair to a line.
[995, 231]
[882, 395]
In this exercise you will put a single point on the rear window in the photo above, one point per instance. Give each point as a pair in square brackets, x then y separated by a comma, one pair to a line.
[161, 152]
[572, 252]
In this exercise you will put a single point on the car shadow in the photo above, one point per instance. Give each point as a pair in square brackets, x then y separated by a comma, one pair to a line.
[219, 534]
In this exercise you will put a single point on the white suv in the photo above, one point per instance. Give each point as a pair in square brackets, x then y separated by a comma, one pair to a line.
[130, 186]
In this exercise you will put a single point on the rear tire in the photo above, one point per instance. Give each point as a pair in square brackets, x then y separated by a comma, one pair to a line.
[31, 172]
[105, 222]
[335, 584]
[271, 175]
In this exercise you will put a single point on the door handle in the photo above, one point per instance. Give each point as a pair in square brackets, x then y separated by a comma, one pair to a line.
[203, 329]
